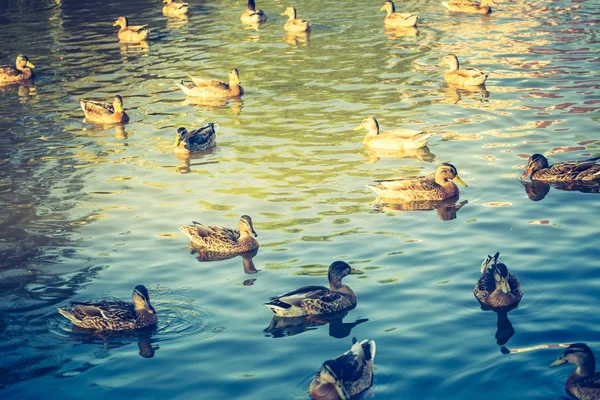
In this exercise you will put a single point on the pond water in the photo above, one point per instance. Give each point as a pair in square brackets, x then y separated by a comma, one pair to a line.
[88, 212]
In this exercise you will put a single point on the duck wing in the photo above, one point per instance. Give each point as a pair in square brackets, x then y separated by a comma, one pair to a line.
[97, 107]
[104, 310]
[209, 83]
[573, 167]
[136, 28]
[416, 183]
[9, 71]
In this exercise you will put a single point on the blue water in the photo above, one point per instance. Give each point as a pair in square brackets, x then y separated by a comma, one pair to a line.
[89, 212]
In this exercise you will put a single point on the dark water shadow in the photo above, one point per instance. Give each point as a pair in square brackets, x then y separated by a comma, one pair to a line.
[504, 328]
[290, 326]
[446, 209]
[537, 191]
[145, 338]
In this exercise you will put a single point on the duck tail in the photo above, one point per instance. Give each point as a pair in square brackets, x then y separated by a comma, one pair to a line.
[423, 138]
[184, 88]
[374, 188]
[67, 314]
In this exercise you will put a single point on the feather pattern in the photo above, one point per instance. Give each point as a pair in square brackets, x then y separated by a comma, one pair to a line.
[197, 139]
[223, 240]
[497, 287]
[104, 113]
[585, 170]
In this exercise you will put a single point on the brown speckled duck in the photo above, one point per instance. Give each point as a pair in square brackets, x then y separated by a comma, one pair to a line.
[313, 300]
[132, 34]
[538, 169]
[251, 15]
[470, 6]
[104, 113]
[214, 89]
[437, 186]
[462, 77]
[294, 24]
[395, 19]
[584, 382]
[21, 71]
[346, 376]
[114, 315]
[497, 287]
[223, 240]
[175, 9]
[188, 142]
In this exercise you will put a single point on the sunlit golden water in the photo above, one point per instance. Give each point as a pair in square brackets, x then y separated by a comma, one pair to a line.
[89, 212]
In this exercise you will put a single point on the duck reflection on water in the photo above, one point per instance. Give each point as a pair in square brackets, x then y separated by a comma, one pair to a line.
[537, 191]
[203, 255]
[286, 326]
[422, 154]
[114, 340]
[446, 209]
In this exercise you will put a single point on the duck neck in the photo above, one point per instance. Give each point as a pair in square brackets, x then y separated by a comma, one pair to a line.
[390, 9]
[341, 288]
[453, 63]
[585, 369]
[292, 14]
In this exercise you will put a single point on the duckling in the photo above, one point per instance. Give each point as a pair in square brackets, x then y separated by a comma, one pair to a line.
[466, 76]
[223, 240]
[214, 89]
[252, 15]
[175, 9]
[104, 113]
[196, 140]
[347, 375]
[294, 24]
[470, 6]
[437, 186]
[497, 287]
[21, 71]
[114, 315]
[584, 381]
[395, 19]
[397, 139]
[131, 33]
[313, 300]
[538, 169]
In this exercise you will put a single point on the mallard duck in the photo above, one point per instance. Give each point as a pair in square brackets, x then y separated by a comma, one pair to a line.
[347, 375]
[397, 139]
[196, 140]
[395, 19]
[294, 24]
[104, 113]
[312, 300]
[214, 89]
[437, 186]
[223, 240]
[469, 6]
[539, 170]
[584, 381]
[252, 15]
[114, 315]
[21, 71]
[466, 76]
[497, 287]
[131, 33]
[175, 9]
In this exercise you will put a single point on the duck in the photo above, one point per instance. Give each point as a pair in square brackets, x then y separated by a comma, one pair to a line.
[395, 19]
[251, 15]
[294, 24]
[584, 381]
[113, 315]
[497, 287]
[437, 186]
[314, 300]
[538, 169]
[131, 33]
[346, 376]
[104, 113]
[212, 88]
[175, 9]
[470, 6]
[21, 71]
[223, 240]
[196, 140]
[466, 76]
[397, 139]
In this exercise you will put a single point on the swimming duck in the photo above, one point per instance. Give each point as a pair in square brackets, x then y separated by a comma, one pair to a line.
[175, 9]
[252, 15]
[347, 375]
[114, 315]
[223, 240]
[294, 24]
[397, 139]
[131, 33]
[313, 300]
[584, 381]
[539, 170]
[396, 19]
[465, 76]
[497, 287]
[437, 186]
[469, 6]
[22, 70]
[196, 140]
[214, 89]
[104, 113]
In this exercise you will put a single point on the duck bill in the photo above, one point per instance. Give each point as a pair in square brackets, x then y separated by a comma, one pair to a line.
[560, 361]
[382, 8]
[28, 64]
[177, 141]
[327, 376]
[442, 62]
[254, 233]
[116, 23]
[504, 286]
[354, 271]
[357, 128]
[460, 181]
[527, 173]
